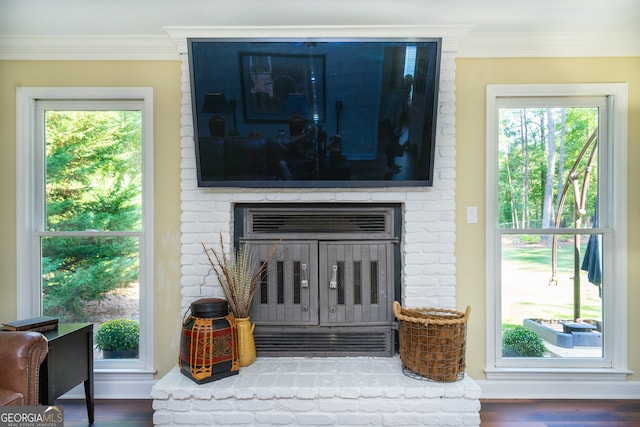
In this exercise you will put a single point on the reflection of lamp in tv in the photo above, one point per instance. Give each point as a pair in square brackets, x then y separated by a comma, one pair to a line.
[298, 107]
[233, 106]
[216, 103]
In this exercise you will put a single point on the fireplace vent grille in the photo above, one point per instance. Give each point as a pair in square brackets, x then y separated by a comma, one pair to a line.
[269, 222]
[330, 343]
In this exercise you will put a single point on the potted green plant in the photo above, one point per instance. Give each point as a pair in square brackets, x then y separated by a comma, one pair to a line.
[118, 338]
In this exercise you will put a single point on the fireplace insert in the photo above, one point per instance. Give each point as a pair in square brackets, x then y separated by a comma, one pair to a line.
[329, 288]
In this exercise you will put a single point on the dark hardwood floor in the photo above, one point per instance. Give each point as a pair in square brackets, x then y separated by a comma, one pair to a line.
[560, 413]
[109, 412]
[494, 413]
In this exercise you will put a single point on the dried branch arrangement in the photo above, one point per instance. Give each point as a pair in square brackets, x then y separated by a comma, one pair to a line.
[236, 275]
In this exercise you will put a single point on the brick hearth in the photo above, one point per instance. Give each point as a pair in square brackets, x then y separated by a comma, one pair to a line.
[316, 392]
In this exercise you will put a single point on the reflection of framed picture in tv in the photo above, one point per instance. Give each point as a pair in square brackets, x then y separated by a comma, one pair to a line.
[275, 86]
[314, 112]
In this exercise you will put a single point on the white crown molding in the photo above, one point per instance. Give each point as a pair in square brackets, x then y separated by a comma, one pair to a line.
[523, 45]
[87, 48]
[452, 35]
[458, 39]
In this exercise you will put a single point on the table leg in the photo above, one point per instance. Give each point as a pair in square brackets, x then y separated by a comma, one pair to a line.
[88, 396]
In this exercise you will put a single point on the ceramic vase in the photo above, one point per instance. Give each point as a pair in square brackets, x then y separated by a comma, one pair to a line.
[246, 344]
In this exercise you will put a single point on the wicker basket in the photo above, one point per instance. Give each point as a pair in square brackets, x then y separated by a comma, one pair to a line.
[432, 342]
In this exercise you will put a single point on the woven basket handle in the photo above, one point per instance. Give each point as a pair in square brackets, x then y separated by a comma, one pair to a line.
[396, 308]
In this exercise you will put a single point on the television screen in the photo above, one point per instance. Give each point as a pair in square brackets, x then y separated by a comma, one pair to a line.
[314, 113]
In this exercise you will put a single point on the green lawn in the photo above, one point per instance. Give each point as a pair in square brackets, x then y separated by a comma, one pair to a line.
[539, 257]
[528, 290]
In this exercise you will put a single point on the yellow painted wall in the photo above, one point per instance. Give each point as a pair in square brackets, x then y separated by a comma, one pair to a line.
[164, 76]
[472, 77]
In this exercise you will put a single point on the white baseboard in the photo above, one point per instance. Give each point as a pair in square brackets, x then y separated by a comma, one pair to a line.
[116, 386]
[531, 389]
[119, 387]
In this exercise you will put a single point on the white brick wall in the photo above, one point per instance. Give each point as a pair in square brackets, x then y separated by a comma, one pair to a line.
[428, 252]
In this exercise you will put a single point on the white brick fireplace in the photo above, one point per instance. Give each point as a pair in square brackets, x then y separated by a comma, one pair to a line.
[296, 391]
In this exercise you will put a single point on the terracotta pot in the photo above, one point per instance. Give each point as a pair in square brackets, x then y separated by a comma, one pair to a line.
[131, 353]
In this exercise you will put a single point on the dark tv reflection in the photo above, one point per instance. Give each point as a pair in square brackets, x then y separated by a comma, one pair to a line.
[314, 114]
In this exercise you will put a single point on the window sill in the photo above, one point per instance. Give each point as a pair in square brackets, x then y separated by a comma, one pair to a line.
[555, 374]
[131, 372]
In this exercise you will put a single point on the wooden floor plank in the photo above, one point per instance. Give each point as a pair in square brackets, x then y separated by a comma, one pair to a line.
[493, 413]
[560, 413]
[109, 413]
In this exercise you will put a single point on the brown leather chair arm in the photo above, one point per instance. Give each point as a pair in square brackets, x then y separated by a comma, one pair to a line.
[21, 354]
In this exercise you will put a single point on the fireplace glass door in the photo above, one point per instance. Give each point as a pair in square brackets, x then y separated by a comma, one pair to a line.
[323, 292]
[287, 292]
[353, 283]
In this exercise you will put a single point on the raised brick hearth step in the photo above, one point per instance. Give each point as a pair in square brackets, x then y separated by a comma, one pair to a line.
[317, 391]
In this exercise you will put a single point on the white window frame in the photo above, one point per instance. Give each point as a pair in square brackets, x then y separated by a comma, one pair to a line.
[29, 200]
[613, 366]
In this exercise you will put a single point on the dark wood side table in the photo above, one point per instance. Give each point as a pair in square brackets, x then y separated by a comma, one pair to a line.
[68, 363]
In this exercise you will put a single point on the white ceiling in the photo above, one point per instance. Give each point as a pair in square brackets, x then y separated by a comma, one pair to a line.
[598, 27]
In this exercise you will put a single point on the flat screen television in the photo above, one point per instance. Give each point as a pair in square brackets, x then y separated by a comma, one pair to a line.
[314, 112]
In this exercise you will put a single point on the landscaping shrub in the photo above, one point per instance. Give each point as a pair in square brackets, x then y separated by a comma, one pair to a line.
[522, 342]
[118, 334]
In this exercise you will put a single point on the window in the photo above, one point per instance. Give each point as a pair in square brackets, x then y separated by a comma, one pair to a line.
[84, 199]
[556, 229]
